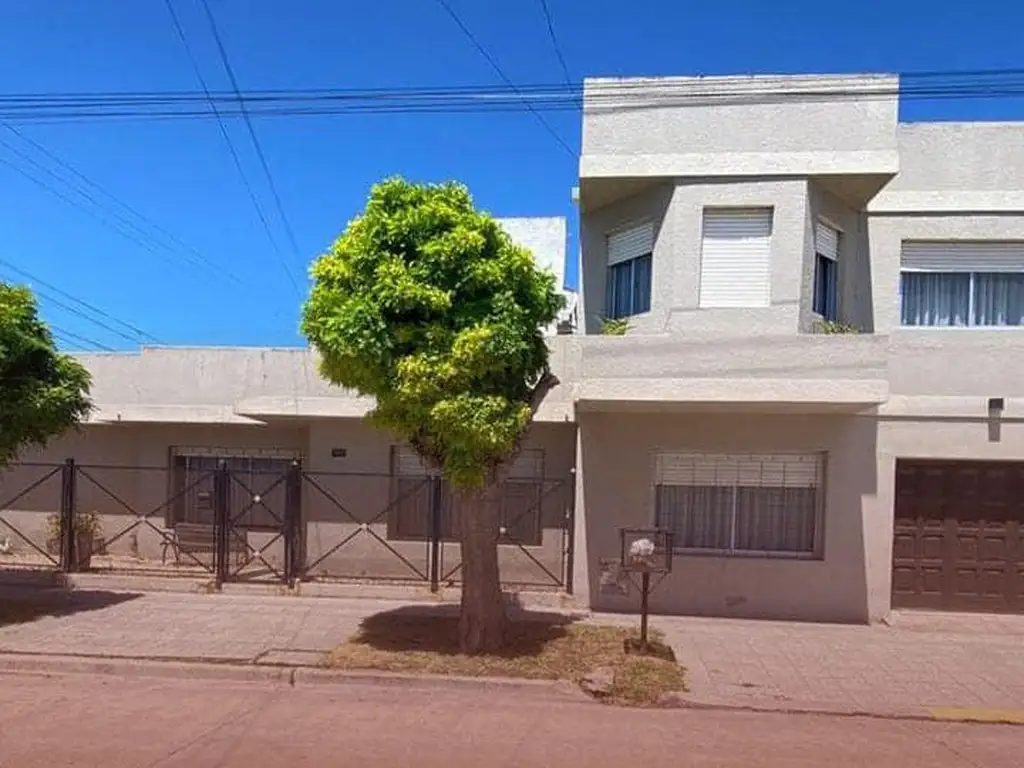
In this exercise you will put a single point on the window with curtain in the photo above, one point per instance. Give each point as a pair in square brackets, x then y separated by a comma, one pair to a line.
[629, 287]
[741, 505]
[962, 283]
[952, 299]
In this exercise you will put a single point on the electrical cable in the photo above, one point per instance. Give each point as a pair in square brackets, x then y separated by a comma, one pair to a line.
[227, 137]
[494, 65]
[139, 333]
[554, 40]
[258, 147]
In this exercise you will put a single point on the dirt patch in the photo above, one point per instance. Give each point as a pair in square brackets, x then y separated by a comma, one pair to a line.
[540, 647]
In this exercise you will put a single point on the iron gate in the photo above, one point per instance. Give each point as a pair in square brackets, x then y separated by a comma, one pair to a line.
[267, 519]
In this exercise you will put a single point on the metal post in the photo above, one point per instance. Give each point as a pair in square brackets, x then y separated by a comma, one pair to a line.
[68, 500]
[570, 550]
[436, 533]
[222, 523]
[645, 591]
[293, 524]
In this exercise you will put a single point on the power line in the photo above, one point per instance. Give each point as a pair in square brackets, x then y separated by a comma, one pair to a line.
[202, 260]
[494, 65]
[60, 332]
[227, 138]
[554, 40]
[993, 75]
[609, 96]
[256, 144]
[141, 334]
[147, 240]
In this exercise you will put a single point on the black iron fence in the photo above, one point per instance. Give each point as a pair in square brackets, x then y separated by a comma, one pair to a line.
[272, 520]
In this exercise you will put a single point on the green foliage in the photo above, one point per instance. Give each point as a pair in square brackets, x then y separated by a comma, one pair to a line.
[614, 326]
[85, 523]
[836, 327]
[427, 305]
[42, 392]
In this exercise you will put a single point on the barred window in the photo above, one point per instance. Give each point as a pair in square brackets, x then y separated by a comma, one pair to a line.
[521, 500]
[751, 504]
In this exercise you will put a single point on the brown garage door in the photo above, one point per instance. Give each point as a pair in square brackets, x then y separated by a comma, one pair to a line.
[959, 536]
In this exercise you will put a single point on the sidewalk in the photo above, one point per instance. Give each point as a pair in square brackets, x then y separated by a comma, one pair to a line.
[924, 665]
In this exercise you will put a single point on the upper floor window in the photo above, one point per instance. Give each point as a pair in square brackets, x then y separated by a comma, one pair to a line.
[950, 284]
[826, 271]
[629, 271]
[735, 258]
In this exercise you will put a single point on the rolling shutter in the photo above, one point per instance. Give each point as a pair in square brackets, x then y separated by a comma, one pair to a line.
[759, 471]
[962, 256]
[826, 241]
[528, 465]
[735, 264]
[630, 243]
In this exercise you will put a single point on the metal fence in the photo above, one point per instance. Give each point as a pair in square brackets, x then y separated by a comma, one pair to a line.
[270, 520]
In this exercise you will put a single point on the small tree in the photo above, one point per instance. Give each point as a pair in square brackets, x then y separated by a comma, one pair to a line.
[427, 305]
[42, 392]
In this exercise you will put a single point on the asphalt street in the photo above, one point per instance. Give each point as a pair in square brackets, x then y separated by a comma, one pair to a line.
[133, 721]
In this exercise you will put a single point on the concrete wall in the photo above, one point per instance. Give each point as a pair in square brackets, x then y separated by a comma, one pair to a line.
[739, 126]
[615, 488]
[677, 210]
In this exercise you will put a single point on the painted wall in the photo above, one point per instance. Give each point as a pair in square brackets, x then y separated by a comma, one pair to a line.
[738, 126]
[616, 461]
[677, 211]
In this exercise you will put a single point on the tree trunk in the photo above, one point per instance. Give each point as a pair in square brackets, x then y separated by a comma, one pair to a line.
[482, 621]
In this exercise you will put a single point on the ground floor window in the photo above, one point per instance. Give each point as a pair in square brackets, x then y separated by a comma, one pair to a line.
[257, 487]
[416, 489]
[741, 505]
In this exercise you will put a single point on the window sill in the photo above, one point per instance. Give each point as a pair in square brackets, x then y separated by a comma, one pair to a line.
[741, 555]
[963, 328]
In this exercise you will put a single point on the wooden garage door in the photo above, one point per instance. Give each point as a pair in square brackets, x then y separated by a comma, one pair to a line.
[959, 536]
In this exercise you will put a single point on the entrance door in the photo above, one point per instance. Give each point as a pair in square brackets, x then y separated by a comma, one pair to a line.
[959, 536]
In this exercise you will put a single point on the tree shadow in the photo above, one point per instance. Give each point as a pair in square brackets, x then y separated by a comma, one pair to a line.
[19, 605]
[434, 628]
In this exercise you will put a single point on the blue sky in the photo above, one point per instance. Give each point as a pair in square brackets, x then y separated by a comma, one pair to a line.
[180, 175]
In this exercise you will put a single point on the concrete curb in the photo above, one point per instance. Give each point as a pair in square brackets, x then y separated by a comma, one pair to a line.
[293, 675]
[918, 714]
[233, 670]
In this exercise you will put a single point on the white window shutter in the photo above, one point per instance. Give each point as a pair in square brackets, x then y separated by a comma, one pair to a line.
[735, 264]
[962, 256]
[725, 470]
[630, 243]
[826, 241]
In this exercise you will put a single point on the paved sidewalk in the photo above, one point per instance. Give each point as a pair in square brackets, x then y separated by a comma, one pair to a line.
[967, 665]
[963, 665]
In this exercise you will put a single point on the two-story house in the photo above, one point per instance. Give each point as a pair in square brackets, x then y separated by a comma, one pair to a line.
[816, 392]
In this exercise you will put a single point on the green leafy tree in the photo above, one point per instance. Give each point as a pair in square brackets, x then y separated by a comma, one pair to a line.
[426, 304]
[42, 392]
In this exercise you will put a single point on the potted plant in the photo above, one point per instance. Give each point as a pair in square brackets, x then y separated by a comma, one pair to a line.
[87, 527]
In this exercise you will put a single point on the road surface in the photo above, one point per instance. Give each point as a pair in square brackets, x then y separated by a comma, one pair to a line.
[115, 722]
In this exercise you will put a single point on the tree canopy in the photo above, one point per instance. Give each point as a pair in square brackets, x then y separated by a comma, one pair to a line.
[426, 304]
[43, 393]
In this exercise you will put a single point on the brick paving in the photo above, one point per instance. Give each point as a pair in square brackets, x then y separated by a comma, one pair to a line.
[923, 661]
